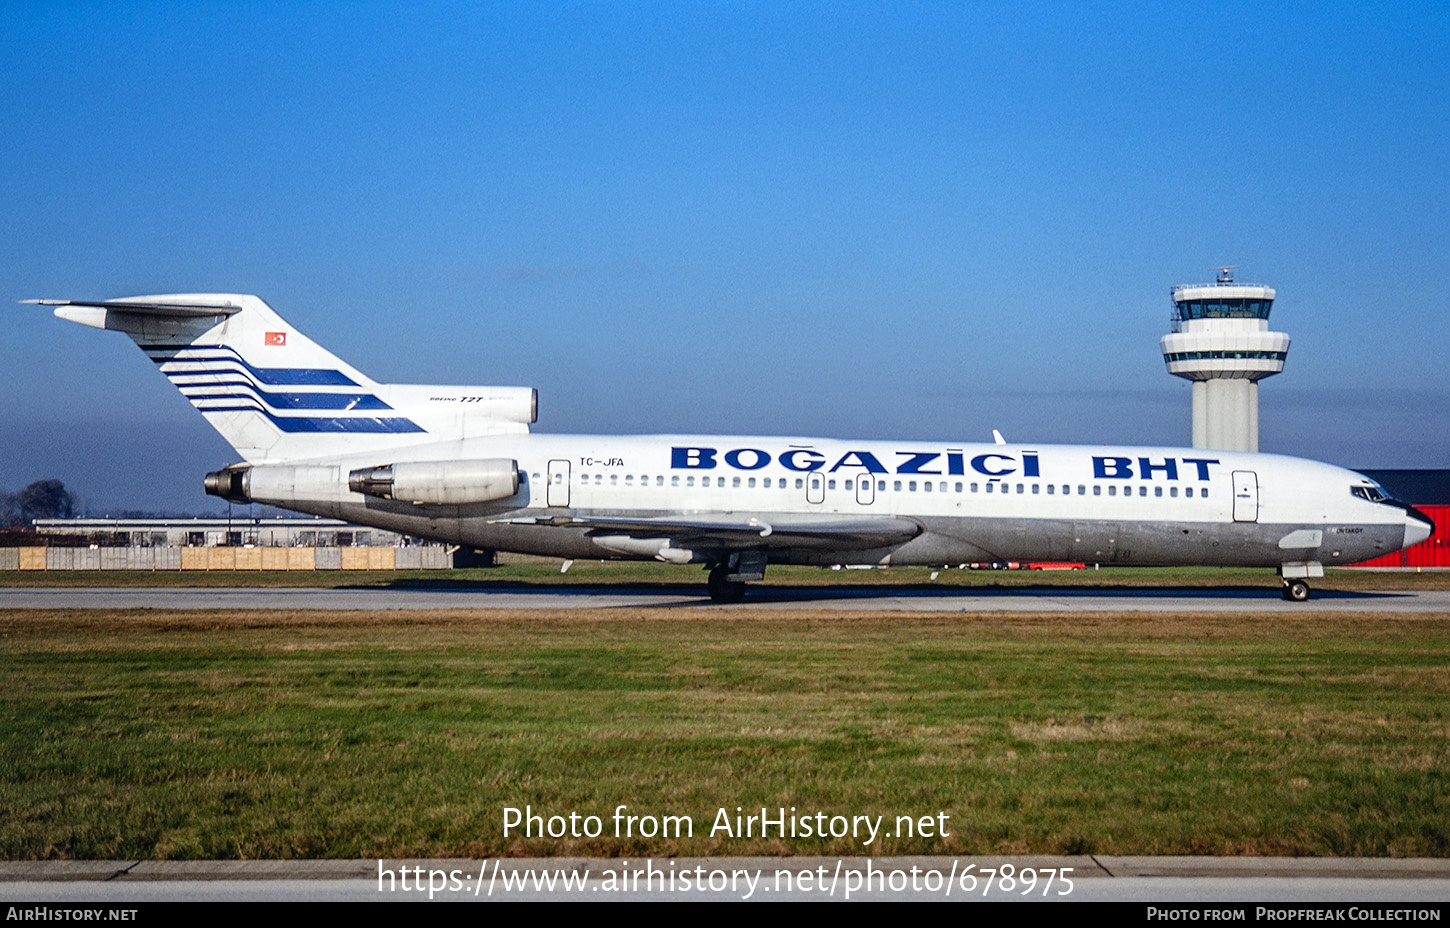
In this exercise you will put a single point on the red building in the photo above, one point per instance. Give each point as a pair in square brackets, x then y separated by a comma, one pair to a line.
[1429, 492]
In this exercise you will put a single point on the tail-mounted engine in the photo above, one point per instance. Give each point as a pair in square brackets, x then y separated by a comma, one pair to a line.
[439, 482]
[230, 483]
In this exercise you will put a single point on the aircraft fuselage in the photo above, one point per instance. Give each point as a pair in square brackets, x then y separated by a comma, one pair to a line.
[972, 503]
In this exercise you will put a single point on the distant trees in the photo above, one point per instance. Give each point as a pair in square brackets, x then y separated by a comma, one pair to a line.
[43, 499]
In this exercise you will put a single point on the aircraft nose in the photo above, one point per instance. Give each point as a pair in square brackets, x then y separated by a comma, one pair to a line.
[1418, 526]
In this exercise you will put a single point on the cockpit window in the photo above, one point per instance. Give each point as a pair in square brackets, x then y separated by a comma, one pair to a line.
[1373, 494]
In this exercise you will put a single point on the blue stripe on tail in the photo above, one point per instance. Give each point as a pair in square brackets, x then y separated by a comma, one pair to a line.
[279, 401]
[272, 376]
[376, 424]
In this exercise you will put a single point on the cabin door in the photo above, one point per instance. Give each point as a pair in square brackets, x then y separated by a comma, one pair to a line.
[1246, 496]
[557, 493]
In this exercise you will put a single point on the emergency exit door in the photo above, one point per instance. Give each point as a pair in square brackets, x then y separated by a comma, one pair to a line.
[815, 487]
[866, 489]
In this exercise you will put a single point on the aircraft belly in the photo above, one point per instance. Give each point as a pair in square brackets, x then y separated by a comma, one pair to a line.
[1140, 543]
[946, 540]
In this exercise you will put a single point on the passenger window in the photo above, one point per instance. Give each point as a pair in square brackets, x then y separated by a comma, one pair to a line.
[847, 485]
[675, 480]
[1157, 491]
[1172, 491]
[690, 481]
[798, 483]
[942, 488]
[959, 486]
[1082, 490]
[766, 483]
[989, 488]
[1019, 488]
[830, 484]
[911, 486]
[1188, 491]
[926, 485]
[896, 485]
[974, 488]
[1142, 491]
[720, 481]
[1113, 490]
[881, 486]
[1066, 490]
[1049, 489]
[629, 480]
[660, 481]
[1035, 488]
[735, 482]
[1097, 489]
[750, 483]
[1203, 493]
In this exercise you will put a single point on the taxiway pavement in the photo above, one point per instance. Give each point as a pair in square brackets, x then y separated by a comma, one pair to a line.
[884, 599]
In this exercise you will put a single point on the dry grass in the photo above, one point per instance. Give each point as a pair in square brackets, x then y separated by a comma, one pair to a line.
[186, 734]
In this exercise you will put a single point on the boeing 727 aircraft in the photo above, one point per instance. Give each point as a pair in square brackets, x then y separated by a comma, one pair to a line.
[459, 464]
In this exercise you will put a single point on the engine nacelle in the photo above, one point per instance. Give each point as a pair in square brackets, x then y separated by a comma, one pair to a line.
[317, 489]
[440, 482]
[506, 404]
[230, 484]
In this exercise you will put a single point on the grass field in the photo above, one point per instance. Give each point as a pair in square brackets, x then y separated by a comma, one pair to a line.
[538, 573]
[181, 735]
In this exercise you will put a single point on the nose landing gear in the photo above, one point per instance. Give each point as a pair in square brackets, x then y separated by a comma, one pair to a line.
[1295, 576]
[1295, 591]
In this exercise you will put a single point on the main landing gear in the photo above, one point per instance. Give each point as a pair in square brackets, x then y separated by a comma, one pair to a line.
[722, 588]
[1295, 591]
[727, 578]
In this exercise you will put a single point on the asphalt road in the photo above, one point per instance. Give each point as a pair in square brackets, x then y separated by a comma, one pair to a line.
[1083, 878]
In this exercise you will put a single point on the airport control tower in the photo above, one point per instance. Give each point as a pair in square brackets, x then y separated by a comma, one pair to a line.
[1221, 341]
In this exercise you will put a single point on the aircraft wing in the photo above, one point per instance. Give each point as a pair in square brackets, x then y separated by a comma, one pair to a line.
[747, 530]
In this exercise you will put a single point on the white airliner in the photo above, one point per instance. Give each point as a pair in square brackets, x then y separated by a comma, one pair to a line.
[458, 464]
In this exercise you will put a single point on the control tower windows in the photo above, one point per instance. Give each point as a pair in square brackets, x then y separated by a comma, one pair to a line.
[1225, 355]
[1224, 309]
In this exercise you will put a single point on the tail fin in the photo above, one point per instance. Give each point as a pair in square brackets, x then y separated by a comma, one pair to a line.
[272, 392]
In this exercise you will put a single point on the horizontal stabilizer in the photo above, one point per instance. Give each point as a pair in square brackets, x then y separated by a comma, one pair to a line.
[147, 309]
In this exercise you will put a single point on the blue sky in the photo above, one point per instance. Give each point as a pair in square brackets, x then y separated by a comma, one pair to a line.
[900, 220]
